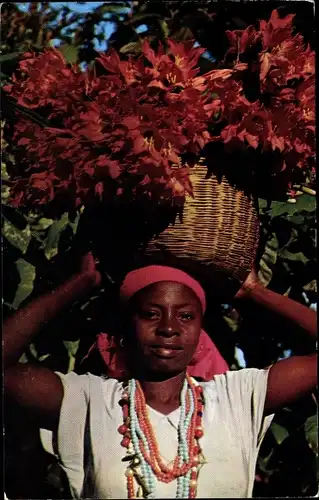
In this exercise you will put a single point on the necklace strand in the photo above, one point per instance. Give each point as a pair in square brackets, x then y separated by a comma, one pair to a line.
[146, 464]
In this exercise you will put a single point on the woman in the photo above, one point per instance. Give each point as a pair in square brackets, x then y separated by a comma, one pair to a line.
[159, 433]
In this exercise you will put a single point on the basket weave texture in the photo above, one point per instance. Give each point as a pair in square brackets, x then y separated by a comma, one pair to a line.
[220, 227]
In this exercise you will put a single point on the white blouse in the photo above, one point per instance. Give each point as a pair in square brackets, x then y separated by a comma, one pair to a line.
[88, 442]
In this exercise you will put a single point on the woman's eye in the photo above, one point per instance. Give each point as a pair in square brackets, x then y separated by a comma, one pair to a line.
[149, 314]
[185, 316]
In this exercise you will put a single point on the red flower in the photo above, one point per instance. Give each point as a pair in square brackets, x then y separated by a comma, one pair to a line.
[276, 30]
[254, 128]
[47, 81]
[285, 62]
[305, 94]
[241, 40]
[40, 188]
[133, 123]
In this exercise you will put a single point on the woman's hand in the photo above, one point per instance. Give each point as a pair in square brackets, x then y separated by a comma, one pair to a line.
[89, 270]
[250, 285]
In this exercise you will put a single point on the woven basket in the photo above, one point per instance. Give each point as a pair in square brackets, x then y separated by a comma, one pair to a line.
[220, 227]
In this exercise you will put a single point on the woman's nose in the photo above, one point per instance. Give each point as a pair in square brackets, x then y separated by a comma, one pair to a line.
[168, 327]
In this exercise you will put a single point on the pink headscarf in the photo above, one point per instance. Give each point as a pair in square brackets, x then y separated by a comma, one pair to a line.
[207, 360]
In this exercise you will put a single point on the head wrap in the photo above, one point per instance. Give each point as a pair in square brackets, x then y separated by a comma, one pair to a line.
[207, 360]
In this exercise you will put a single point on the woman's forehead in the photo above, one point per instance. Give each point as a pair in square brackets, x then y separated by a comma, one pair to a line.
[167, 292]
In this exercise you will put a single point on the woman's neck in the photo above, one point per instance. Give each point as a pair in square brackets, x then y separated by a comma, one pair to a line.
[164, 395]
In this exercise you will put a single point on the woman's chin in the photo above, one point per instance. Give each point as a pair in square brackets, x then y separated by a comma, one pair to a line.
[153, 363]
[165, 368]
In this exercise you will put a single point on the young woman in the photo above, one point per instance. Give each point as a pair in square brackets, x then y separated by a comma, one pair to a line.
[159, 433]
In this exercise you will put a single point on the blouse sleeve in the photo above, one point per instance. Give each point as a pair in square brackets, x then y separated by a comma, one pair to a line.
[244, 393]
[69, 443]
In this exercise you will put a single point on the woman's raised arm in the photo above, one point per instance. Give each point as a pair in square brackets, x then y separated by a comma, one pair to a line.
[33, 387]
[294, 377]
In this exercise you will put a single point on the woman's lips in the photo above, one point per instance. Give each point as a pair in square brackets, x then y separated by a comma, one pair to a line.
[165, 352]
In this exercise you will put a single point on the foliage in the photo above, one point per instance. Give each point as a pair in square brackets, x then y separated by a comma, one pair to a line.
[42, 247]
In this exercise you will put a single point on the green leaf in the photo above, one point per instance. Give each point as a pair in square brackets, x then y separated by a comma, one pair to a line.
[296, 257]
[296, 219]
[263, 462]
[18, 238]
[303, 202]
[24, 359]
[5, 194]
[74, 224]
[232, 323]
[116, 8]
[32, 355]
[52, 242]
[27, 274]
[72, 348]
[43, 357]
[164, 28]
[182, 35]
[132, 47]
[268, 260]
[143, 18]
[279, 432]
[311, 431]
[4, 173]
[70, 52]
[9, 57]
[39, 228]
[42, 224]
[32, 217]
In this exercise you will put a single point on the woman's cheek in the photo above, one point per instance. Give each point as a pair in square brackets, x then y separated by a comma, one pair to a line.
[144, 331]
[192, 337]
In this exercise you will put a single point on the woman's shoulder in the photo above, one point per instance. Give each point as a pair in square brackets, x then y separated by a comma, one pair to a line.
[242, 373]
[89, 383]
[235, 379]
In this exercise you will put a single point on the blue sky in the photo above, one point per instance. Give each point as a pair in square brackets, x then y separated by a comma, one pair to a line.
[108, 27]
[76, 6]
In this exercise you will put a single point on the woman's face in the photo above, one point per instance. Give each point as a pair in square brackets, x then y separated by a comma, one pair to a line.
[166, 324]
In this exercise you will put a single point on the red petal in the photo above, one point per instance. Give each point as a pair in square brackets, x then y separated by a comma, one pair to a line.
[148, 52]
[252, 140]
[278, 142]
[139, 145]
[265, 65]
[24, 141]
[131, 122]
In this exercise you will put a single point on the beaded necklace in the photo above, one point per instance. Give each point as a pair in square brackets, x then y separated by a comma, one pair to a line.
[146, 465]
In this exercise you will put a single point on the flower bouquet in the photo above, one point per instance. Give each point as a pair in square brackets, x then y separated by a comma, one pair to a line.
[127, 129]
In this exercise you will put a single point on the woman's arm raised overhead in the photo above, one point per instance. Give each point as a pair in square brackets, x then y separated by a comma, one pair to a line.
[33, 387]
[294, 377]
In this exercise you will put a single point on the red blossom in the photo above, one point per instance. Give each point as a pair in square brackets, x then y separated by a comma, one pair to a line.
[276, 30]
[241, 40]
[40, 188]
[158, 128]
[132, 123]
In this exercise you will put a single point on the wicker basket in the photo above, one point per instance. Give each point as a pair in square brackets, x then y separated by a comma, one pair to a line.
[220, 227]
